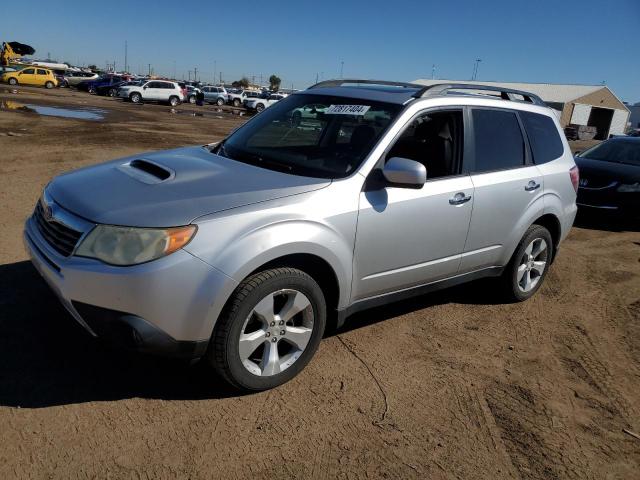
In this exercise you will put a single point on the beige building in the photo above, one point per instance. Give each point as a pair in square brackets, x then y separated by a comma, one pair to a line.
[593, 105]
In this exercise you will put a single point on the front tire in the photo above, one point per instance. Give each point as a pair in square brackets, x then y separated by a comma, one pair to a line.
[91, 90]
[236, 102]
[269, 330]
[13, 81]
[112, 92]
[192, 99]
[259, 107]
[528, 267]
[135, 97]
[220, 102]
[49, 85]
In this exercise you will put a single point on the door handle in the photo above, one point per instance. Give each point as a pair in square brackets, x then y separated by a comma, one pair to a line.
[459, 198]
[531, 186]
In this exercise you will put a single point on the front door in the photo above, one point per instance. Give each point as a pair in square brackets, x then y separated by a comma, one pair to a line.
[409, 237]
[28, 76]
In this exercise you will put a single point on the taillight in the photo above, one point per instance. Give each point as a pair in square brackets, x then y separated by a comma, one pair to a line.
[574, 173]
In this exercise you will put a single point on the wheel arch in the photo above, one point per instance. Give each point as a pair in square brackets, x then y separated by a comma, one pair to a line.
[551, 223]
[316, 267]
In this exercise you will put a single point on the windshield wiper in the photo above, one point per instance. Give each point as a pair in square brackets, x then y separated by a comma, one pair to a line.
[268, 161]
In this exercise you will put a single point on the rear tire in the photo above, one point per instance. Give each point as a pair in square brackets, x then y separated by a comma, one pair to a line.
[529, 265]
[49, 85]
[112, 92]
[192, 99]
[250, 348]
[135, 97]
[236, 102]
[173, 101]
[220, 102]
[91, 90]
[13, 81]
[259, 107]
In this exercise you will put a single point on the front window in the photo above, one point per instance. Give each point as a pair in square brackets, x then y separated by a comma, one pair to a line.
[311, 135]
[616, 151]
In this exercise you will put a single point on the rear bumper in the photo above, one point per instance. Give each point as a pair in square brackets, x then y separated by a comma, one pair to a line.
[167, 307]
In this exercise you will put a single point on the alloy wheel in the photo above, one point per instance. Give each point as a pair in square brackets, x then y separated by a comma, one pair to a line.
[276, 332]
[532, 265]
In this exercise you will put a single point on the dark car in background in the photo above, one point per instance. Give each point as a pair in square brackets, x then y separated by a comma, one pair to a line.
[610, 176]
[112, 89]
[92, 86]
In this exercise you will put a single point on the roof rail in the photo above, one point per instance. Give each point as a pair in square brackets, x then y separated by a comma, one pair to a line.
[356, 82]
[505, 93]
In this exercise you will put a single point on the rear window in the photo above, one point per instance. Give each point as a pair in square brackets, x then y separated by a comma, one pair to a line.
[543, 137]
[499, 144]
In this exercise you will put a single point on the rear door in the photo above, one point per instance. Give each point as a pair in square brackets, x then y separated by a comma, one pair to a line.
[43, 76]
[506, 184]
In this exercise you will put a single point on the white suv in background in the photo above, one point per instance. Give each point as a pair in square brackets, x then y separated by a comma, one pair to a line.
[237, 99]
[153, 91]
[259, 104]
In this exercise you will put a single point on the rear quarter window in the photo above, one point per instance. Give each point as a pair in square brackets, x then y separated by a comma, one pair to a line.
[544, 139]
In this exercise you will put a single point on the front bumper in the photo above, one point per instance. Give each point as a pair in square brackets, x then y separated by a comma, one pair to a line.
[609, 199]
[168, 306]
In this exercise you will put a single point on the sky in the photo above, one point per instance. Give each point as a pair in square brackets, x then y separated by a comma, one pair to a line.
[571, 41]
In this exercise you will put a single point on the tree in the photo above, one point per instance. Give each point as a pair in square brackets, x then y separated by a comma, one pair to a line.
[242, 83]
[274, 83]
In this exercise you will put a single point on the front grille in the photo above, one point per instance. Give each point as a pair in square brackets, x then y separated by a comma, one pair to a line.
[62, 238]
[595, 181]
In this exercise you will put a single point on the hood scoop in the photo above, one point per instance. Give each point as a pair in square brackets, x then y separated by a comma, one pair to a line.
[147, 171]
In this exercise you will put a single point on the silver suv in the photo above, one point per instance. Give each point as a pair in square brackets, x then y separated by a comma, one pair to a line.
[243, 251]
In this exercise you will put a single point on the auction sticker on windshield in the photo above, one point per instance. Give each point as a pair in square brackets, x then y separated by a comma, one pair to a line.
[347, 109]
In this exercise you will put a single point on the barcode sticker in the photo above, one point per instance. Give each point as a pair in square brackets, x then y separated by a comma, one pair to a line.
[347, 109]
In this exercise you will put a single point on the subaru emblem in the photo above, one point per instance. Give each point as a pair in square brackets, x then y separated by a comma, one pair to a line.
[48, 214]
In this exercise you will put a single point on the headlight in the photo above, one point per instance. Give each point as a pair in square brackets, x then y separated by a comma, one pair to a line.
[629, 187]
[130, 246]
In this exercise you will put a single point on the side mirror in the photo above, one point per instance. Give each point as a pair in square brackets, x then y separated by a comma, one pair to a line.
[144, 88]
[404, 173]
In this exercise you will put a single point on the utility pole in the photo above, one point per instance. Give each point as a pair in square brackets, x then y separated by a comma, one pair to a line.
[475, 69]
[316, 77]
[195, 74]
[189, 73]
[341, 68]
[126, 69]
[149, 69]
[433, 71]
[215, 70]
[220, 78]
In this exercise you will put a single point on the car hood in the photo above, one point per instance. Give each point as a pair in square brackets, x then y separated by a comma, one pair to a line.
[170, 188]
[622, 172]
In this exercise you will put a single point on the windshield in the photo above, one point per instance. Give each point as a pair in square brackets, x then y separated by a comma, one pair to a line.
[617, 151]
[311, 135]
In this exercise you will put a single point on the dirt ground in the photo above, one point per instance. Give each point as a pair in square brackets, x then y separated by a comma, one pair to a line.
[452, 385]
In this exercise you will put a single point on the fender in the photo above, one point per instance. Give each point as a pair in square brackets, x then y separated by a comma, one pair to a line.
[534, 211]
[263, 245]
[565, 213]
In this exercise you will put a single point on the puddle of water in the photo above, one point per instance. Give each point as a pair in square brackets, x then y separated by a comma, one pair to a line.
[94, 114]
